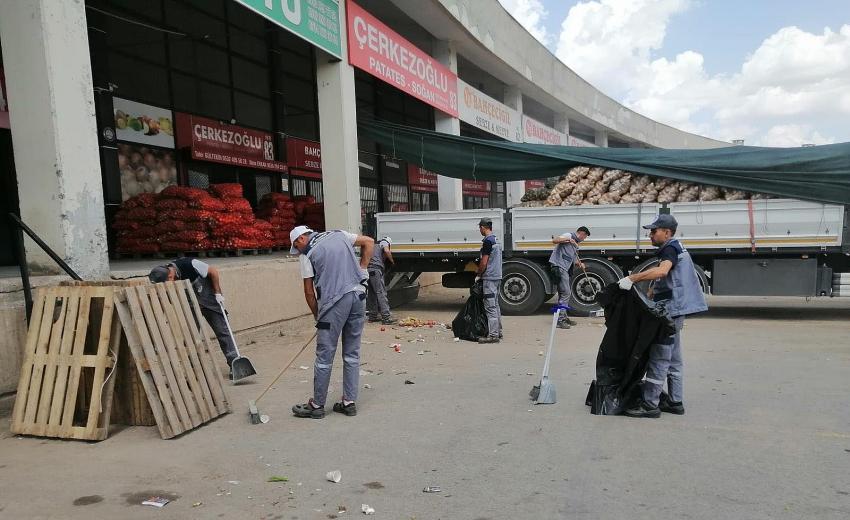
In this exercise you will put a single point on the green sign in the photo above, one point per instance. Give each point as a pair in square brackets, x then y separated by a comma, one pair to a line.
[316, 21]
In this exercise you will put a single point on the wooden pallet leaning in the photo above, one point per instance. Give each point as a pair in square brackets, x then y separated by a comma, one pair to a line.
[66, 384]
[173, 357]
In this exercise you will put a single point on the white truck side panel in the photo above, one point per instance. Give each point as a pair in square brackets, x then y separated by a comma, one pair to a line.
[612, 227]
[779, 223]
[438, 231]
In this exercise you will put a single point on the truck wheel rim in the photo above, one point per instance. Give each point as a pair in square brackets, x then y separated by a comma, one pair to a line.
[586, 288]
[515, 289]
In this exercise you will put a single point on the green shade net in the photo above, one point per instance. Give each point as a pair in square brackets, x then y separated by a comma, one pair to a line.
[818, 173]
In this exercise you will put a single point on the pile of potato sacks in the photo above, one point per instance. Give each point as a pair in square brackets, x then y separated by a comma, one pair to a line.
[585, 185]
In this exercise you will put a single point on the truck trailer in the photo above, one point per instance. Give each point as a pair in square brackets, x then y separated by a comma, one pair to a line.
[766, 247]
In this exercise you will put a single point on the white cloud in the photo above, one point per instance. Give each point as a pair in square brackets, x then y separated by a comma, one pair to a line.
[792, 89]
[530, 14]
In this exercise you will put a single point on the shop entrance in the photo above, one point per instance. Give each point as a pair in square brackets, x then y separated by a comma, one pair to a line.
[8, 197]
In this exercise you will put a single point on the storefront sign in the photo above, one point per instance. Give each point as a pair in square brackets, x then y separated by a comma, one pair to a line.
[421, 179]
[535, 132]
[380, 51]
[145, 124]
[533, 185]
[575, 141]
[212, 141]
[4, 105]
[316, 21]
[483, 112]
[476, 188]
[303, 154]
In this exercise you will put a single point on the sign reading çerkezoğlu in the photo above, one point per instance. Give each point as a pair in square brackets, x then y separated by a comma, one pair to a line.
[316, 21]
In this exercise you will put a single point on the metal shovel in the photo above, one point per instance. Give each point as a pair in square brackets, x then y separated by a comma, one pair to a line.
[241, 367]
[544, 393]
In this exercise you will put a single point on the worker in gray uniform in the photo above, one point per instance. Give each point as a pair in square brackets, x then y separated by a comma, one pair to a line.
[376, 299]
[335, 290]
[676, 285]
[206, 281]
[564, 255]
[490, 273]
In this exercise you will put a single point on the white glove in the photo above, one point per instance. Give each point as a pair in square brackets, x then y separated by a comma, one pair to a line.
[625, 283]
[220, 299]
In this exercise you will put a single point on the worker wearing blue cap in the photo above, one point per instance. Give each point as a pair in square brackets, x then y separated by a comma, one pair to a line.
[676, 284]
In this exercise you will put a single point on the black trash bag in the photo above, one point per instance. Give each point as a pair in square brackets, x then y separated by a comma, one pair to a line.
[471, 322]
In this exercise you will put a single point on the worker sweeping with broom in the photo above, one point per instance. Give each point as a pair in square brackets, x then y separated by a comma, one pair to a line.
[564, 255]
[335, 290]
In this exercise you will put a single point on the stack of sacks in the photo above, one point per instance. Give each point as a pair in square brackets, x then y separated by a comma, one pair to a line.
[234, 227]
[184, 219]
[279, 211]
[585, 185]
[133, 225]
[314, 217]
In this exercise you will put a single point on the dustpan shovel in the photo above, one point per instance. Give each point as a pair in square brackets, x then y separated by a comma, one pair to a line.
[241, 367]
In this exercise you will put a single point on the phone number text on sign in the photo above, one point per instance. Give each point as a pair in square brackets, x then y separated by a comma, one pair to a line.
[381, 52]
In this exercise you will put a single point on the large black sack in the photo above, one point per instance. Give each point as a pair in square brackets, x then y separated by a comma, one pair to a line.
[471, 322]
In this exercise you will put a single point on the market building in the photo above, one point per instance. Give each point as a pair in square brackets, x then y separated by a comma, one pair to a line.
[102, 100]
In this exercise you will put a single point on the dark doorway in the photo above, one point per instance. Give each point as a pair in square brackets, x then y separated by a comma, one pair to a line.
[8, 198]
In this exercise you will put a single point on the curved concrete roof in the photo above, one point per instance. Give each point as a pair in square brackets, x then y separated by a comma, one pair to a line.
[486, 34]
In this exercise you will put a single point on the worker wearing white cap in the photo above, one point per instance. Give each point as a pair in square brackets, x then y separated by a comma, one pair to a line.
[335, 290]
[376, 299]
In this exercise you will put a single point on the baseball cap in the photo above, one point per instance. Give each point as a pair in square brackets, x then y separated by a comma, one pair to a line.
[486, 222]
[663, 221]
[296, 232]
[159, 274]
[388, 240]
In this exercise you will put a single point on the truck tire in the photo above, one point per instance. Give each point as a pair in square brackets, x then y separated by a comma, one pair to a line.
[585, 287]
[522, 291]
[652, 262]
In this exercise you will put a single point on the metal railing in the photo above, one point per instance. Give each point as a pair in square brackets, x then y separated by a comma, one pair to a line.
[21, 254]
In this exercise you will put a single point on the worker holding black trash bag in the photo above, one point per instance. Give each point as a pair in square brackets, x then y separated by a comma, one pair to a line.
[564, 256]
[490, 273]
[677, 286]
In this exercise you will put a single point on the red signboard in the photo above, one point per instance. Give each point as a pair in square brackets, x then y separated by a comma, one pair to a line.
[421, 179]
[380, 51]
[213, 141]
[303, 154]
[4, 102]
[533, 185]
[476, 188]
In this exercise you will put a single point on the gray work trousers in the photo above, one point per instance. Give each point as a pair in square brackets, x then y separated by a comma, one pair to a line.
[665, 364]
[376, 299]
[345, 318]
[491, 307]
[216, 320]
[565, 289]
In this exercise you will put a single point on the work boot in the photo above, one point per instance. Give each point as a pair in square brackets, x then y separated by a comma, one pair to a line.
[309, 410]
[668, 406]
[563, 324]
[488, 339]
[373, 318]
[388, 320]
[643, 409]
[349, 409]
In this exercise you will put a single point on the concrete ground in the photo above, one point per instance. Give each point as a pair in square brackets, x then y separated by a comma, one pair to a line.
[766, 435]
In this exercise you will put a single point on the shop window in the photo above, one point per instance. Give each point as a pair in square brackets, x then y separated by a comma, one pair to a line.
[215, 101]
[181, 53]
[213, 7]
[250, 77]
[263, 185]
[396, 197]
[295, 65]
[198, 179]
[247, 45]
[253, 111]
[139, 80]
[185, 92]
[301, 124]
[135, 40]
[421, 201]
[299, 93]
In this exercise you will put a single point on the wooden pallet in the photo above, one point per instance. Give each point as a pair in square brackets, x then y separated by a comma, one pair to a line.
[67, 376]
[173, 356]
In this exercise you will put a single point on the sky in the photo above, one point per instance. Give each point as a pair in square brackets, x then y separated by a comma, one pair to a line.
[771, 72]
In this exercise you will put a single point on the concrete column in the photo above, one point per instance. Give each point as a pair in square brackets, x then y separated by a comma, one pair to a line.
[514, 189]
[54, 132]
[338, 136]
[449, 190]
[600, 138]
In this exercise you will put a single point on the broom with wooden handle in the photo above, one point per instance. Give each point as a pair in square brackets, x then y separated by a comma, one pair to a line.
[252, 404]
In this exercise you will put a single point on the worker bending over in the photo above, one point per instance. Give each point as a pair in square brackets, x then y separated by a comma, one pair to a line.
[677, 285]
[564, 256]
[335, 290]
